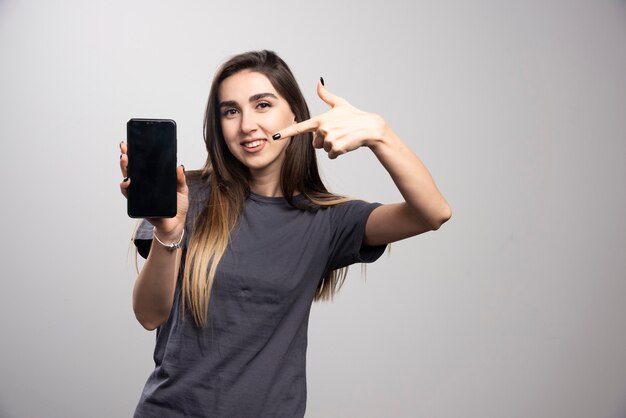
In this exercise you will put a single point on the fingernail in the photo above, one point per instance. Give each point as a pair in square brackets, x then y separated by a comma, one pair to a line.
[276, 136]
[125, 179]
[121, 156]
[322, 80]
[121, 143]
[183, 167]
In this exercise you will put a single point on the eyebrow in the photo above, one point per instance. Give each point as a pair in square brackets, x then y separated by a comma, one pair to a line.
[253, 98]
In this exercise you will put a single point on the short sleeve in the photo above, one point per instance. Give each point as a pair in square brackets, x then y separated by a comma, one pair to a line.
[143, 238]
[348, 222]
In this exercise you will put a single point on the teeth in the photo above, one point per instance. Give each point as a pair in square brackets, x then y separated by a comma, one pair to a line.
[253, 143]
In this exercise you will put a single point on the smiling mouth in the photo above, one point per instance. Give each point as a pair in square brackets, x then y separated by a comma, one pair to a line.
[253, 144]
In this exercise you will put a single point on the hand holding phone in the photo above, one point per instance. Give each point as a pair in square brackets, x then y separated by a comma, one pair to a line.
[169, 229]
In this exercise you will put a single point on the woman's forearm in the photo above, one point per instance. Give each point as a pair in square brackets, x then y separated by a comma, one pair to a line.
[412, 178]
[154, 289]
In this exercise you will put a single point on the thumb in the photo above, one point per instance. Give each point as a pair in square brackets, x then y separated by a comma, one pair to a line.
[181, 179]
[329, 98]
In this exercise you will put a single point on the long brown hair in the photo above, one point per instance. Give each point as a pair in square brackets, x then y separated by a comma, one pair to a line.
[229, 179]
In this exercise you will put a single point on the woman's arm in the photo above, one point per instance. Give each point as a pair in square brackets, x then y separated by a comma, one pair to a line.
[424, 208]
[153, 294]
[345, 128]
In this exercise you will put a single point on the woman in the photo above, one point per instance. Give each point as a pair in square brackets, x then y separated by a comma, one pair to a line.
[229, 281]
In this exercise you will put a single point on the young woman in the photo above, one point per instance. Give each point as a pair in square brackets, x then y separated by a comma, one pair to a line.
[228, 283]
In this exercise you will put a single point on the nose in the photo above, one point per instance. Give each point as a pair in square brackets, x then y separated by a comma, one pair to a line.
[248, 122]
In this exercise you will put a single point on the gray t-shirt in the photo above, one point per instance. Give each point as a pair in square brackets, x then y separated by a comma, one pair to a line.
[250, 359]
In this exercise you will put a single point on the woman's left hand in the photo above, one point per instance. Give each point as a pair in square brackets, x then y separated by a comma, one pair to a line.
[341, 129]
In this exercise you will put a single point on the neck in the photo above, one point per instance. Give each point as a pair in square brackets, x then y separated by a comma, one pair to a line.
[265, 185]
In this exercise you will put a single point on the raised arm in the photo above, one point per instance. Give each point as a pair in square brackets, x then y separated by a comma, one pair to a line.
[424, 208]
[345, 128]
[153, 294]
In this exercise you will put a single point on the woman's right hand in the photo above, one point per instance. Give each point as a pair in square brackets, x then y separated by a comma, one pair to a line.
[167, 229]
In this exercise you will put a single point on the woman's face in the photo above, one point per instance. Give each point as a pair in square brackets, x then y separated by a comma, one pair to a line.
[251, 112]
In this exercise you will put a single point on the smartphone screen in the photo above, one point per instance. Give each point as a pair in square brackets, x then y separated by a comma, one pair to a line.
[151, 168]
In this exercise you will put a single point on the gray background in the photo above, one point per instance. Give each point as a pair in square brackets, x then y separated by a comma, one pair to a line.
[515, 308]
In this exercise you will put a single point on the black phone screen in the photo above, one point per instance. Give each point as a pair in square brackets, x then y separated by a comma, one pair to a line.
[151, 168]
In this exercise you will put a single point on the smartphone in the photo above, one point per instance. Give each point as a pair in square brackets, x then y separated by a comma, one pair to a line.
[152, 168]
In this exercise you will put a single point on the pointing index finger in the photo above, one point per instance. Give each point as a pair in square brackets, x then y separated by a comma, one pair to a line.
[308, 125]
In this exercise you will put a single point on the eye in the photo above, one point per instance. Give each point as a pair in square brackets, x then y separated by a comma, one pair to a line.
[229, 113]
[264, 105]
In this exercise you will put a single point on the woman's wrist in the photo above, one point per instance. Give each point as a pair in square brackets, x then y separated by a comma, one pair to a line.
[381, 135]
[169, 245]
[170, 236]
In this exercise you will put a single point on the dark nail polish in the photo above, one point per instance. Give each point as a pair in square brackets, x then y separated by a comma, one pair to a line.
[125, 179]
[183, 167]
[121, 156]
[322, 80]
[276, 136]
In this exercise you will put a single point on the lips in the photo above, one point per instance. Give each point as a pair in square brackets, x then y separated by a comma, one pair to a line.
[253, 144]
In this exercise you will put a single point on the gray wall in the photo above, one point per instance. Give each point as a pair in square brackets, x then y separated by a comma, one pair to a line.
[515, 308]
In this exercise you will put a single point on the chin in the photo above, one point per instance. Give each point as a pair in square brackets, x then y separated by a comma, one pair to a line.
[260, 165]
